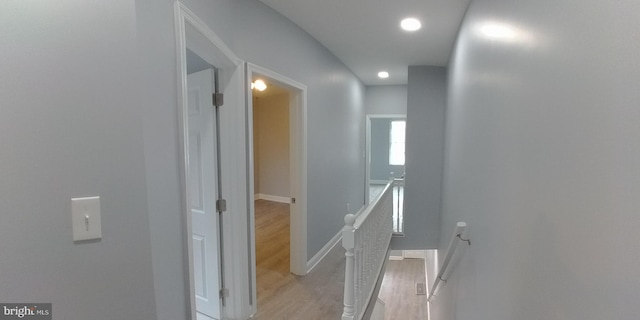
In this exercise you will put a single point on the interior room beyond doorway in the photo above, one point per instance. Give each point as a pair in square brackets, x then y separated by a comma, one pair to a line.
[271, 141]
[272, 185]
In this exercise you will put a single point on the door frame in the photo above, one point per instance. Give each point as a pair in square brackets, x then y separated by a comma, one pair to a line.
[236, 276]
[367, 179]
[297, 163]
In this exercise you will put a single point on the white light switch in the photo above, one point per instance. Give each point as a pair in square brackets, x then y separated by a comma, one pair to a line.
[85, 216]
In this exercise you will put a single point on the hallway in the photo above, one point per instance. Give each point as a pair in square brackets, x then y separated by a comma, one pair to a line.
[318, 296]
[283, 295]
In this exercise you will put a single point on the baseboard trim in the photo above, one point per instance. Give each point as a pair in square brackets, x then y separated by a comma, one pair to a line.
[269, 197]
[414, 254]
[315, 260]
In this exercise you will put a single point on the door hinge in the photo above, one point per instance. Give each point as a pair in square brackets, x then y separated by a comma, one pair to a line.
[224, 293]
[218, 99]
[293, 200]
[221, 205]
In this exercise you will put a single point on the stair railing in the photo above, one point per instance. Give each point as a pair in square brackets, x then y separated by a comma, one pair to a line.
[365, 238]
[459, 235]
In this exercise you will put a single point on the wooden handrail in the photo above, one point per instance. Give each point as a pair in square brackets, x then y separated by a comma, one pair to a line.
[445, 268]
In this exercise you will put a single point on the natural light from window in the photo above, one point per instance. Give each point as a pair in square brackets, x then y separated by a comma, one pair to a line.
[396, 147]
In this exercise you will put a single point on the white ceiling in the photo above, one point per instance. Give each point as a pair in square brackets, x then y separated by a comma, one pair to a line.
[366, 34]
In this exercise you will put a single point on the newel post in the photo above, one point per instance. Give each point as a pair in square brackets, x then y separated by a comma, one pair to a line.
[348, 243]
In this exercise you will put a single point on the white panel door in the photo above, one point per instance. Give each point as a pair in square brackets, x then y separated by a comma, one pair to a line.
[203, 182]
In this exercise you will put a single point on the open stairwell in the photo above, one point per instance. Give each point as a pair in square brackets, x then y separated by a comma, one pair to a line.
[323, 293]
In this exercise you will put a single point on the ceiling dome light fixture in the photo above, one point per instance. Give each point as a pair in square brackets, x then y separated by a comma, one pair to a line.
[259, 85]
[410, 24]
[383, 74]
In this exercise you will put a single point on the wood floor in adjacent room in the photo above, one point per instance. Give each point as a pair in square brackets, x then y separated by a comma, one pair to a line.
[318, 296]
[282, 295]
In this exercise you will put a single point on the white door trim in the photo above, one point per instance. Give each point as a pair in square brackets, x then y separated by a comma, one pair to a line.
[236, 275]
[367, 178]
[298, 161]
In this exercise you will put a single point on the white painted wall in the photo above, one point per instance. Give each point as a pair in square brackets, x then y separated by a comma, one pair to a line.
[271, 145]
[431, 265]
[543, 162]
[71, 126]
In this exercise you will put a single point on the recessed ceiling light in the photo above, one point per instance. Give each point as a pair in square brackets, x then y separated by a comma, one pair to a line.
[383, 74]
[410, 24]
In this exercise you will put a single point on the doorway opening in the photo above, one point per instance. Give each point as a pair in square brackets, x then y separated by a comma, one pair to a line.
[272, 184]
[278, 153]
[385, 161]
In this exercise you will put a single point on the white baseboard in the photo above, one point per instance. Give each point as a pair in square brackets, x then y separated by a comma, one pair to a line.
[414, 254]
[378, 310]
[396, 255]
[313, 262]
[269, 197]
[324, 251]
[410, 254]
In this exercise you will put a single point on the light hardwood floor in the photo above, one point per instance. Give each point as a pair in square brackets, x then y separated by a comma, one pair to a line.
[398, 290]
[318, 295]
[282, 295]
[272, 246]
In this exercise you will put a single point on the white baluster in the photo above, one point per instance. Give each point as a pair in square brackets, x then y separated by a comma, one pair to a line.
[348, 243]
[365, 239]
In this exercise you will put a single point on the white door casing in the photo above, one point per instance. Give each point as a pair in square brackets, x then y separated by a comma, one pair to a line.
[194, 34]
[297, 161]
[203, 182]
[367, 177]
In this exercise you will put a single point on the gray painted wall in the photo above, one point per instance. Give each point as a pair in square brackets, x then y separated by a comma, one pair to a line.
[426, 104]
[271, 145]
[71, 126]
[383, 100]
[380, 142]
[543, 163]
[386, 99]
[89, 108]
[335, 122]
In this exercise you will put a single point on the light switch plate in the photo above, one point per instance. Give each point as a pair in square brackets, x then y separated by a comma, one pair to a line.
[85, 216]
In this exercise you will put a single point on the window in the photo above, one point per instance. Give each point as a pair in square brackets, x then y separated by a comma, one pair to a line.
[396, 145]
